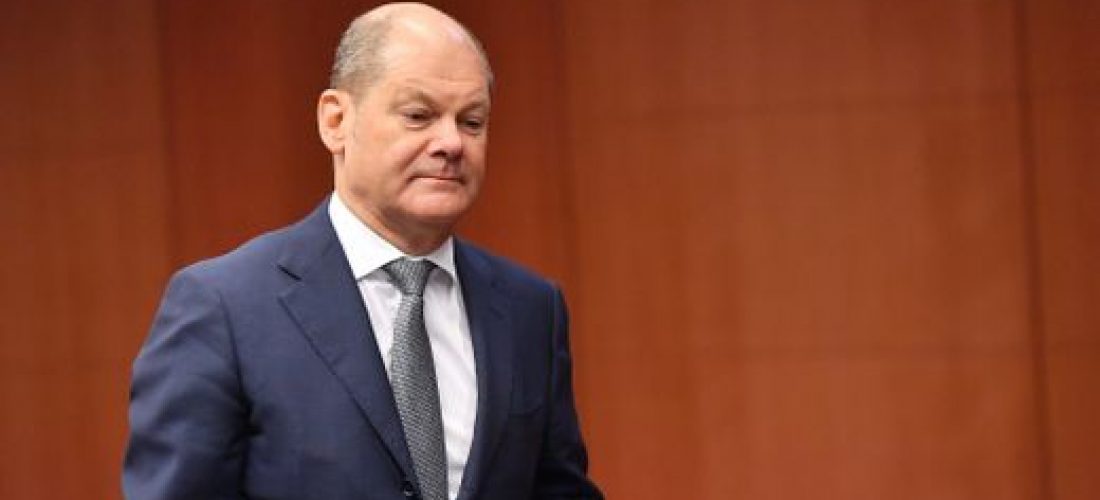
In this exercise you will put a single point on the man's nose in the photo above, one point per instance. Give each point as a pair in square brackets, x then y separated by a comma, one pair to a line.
[447, 144]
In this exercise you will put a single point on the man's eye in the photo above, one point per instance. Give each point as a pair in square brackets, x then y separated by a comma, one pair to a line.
[474, 124]
[418, 116]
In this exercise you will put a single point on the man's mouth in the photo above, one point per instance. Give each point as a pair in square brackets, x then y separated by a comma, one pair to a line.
[440, 178]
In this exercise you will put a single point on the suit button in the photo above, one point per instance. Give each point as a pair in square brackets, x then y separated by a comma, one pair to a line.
[407, 490]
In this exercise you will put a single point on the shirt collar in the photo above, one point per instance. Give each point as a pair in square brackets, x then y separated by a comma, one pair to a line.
[367, 251]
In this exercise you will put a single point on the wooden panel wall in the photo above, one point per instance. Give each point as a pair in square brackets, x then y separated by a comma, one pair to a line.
[813, 250]
[802, 259]
[83, 213]
[1063, 76]
[241, 83]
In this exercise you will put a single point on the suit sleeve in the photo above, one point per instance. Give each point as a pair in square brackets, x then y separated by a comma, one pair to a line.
[563, 467]
[187, 413]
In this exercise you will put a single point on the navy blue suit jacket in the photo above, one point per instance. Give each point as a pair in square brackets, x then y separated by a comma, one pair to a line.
[261, 379]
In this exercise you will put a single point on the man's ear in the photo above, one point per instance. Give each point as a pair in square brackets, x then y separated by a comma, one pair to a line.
[334, 113]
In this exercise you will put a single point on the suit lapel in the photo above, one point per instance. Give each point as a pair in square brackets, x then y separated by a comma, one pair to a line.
[485, 298]
[326, 303]
[328, 307]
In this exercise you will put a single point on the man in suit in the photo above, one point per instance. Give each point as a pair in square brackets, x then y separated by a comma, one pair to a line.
[364, 352]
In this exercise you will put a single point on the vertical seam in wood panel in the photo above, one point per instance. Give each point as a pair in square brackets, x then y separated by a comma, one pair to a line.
[567, 194]
[1032, 247]
[171, 205]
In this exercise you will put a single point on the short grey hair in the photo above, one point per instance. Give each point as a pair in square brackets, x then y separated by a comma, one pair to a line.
[359, 61]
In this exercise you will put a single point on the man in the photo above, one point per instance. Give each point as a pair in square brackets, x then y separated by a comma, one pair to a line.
[365, 353]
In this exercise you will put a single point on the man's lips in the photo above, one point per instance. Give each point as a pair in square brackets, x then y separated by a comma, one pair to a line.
[451, 178]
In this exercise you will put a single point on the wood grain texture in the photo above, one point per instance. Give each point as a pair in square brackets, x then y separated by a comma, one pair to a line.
[1063, 71]
[812, 250]
[84, 216]
[802, 268]
[242, 80]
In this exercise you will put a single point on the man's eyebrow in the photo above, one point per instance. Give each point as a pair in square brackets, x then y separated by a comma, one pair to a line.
[478, 105]
[413, 94]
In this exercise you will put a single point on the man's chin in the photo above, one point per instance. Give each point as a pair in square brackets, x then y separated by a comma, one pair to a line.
[441, 216]
[439, 208]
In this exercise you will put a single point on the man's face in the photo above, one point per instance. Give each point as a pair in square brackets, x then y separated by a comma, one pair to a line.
[414, 159]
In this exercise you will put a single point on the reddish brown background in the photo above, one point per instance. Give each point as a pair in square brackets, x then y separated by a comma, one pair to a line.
[831, 250]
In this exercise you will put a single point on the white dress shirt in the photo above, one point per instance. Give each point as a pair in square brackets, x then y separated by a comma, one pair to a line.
[444, 317]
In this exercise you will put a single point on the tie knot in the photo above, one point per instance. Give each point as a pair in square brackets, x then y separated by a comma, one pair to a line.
[409, 275]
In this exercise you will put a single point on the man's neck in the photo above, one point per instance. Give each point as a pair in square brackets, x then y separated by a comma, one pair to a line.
[409, 237]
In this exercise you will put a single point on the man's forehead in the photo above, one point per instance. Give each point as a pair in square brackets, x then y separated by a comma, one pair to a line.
[408, 50]
[415, 89]
[429, 67]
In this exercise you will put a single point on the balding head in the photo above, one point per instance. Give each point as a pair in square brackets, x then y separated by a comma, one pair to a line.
[364, 51]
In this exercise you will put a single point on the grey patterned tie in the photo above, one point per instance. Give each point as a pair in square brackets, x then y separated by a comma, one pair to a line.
[412, 376]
